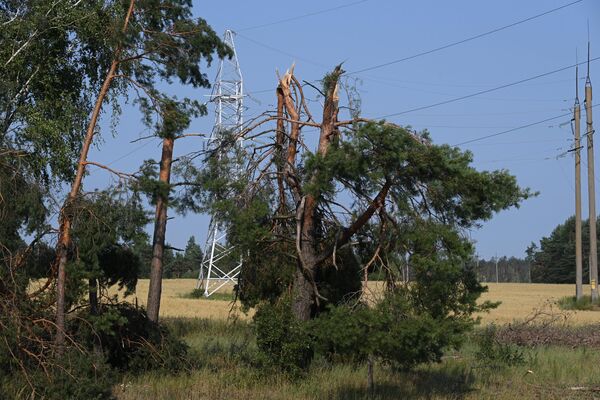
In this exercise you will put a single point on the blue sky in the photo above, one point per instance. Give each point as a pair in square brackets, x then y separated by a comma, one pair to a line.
[372, 32]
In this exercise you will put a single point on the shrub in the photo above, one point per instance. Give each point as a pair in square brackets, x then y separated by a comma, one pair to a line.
[283, 341]
[492, 351]
[393, 331]
[75, 375]
[131, 342]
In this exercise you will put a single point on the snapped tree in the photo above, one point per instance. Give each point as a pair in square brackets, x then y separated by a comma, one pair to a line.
[304, 208]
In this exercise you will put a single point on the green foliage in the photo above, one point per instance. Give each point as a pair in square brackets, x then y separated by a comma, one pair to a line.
[394, 331]
[510, 269]
[491, 351]
[186, 265]
[54, 59]
[22, 206]
[75, 374]
[340, 283]
[283, 342]
[106, 226]
[131, 342]
[47, 88]
[553, 260]
[30, 364]
[199, 294]
[584, 304]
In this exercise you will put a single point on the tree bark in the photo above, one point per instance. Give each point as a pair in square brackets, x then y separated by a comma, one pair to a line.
[304, 293]
[64, 241]
[303, 296]
[64, 232]
[160, 228]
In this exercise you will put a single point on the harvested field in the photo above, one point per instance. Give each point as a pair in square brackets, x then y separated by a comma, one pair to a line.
[519, 301]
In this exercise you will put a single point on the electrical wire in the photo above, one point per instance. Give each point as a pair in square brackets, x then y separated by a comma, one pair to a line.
[515, 129]
[311, 14]
[453, 100]
[280, 51]
[434, 50]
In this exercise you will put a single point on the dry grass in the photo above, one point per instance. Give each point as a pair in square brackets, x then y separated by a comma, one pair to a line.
[519, 300]
[173, 304]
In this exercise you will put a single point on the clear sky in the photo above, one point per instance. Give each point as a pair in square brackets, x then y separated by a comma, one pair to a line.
[317, 35]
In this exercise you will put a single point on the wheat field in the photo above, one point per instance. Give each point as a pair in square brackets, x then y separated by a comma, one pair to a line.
[518, 301]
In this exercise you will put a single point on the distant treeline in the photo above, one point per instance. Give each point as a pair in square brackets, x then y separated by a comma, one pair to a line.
[503, 269]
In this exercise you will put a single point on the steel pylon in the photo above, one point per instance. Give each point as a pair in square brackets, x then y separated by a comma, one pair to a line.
[218, 267]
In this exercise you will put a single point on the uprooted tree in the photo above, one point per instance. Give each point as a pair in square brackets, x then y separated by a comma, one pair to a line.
[307, 213]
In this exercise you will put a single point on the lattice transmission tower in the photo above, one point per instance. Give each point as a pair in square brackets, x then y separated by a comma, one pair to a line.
[218, 267]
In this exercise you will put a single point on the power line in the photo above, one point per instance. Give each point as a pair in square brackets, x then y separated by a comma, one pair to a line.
[311, 14]
[464, 40]
[515, 129]
[153, 140]
[484, 91]
[280, 51]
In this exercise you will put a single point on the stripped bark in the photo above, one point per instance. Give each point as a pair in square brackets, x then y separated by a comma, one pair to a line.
[310, 248]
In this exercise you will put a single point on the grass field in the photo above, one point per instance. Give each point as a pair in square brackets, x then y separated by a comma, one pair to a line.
[547, 372]
[219, 346]
[519, 300]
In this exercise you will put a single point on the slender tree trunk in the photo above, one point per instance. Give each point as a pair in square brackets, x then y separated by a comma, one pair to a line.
[160, 228]
[64, 233]
[64, 241]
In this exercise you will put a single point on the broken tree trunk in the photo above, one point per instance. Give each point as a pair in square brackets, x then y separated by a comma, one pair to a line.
[305, 292]
[160, 228]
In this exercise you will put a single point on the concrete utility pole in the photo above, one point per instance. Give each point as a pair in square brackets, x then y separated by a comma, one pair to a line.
[578, 249]
[591, 183]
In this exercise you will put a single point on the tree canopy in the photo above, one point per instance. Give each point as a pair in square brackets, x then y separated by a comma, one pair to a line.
[553, 260]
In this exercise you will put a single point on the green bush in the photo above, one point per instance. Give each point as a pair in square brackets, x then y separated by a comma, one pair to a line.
[74, 374]
[131, 342]
[491, 351]
[283, 341]
[199, 294]
[393, 331]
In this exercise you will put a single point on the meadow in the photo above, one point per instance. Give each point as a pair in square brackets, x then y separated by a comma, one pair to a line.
[221, 345]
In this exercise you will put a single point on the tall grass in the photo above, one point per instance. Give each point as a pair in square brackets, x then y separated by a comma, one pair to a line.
[225, 371]
[583, 304]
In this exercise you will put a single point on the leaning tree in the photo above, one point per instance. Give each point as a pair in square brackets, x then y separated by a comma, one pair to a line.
[148, 42]
[301, 208]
